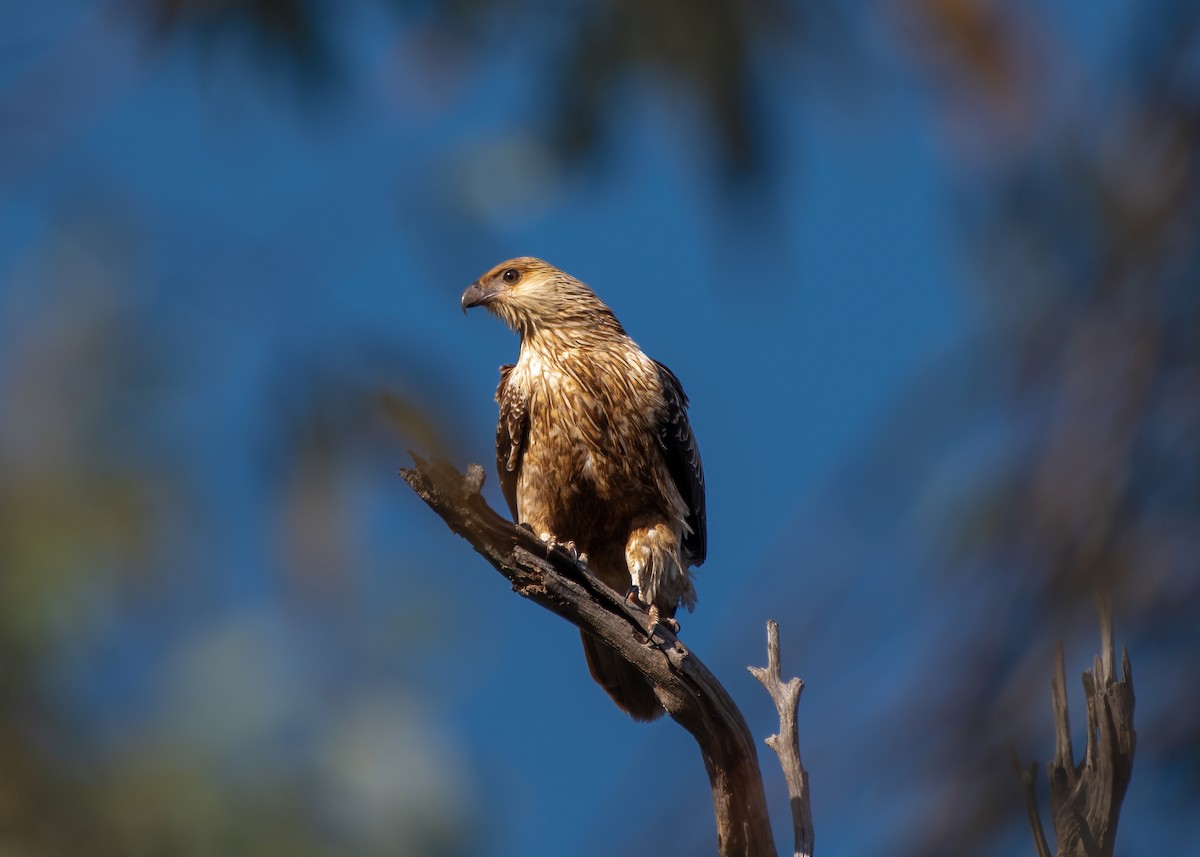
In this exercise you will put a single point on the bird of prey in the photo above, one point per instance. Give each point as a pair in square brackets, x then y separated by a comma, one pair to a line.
[595, 452]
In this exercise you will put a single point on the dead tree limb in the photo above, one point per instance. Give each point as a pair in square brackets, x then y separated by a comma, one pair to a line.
[1085, 799]
[1028, 778]
[786, 742]
[687, 690]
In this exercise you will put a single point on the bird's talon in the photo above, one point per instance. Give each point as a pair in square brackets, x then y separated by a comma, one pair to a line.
[653, 616]
[570, 548]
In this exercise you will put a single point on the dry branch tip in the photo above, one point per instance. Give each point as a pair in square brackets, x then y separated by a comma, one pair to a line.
[786, 743]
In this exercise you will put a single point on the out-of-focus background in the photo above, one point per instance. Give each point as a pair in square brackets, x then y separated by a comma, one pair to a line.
[927, 268]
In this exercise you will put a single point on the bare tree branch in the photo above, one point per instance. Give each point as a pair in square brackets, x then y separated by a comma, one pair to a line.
[687, 690]
[786, 743]
[1028, 778]
[1085, 799]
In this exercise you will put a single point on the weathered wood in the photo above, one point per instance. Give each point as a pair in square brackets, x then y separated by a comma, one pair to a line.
[786, 742]
[1085, 799]
[687, 690]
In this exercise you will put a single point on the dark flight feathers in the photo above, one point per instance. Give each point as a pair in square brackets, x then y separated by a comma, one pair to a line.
[511, 430]
[683, 461]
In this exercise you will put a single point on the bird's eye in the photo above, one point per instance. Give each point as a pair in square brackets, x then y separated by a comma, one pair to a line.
[510, 275]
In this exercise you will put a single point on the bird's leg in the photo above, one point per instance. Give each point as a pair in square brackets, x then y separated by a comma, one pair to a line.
[652, 614]
[634, 597]
[648, 553]
[657, 620]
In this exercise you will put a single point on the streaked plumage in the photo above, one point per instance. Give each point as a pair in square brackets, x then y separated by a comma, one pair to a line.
[594, 447]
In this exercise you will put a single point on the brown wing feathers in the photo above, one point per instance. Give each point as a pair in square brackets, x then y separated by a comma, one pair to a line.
[510, 437]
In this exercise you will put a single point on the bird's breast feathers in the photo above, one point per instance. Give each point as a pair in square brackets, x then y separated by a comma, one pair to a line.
[597, 402]
[592, 412]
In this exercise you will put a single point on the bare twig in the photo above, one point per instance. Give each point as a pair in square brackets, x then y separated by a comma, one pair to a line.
[1028, 778]
[786, 743]
[687, 690]
[1085, 799]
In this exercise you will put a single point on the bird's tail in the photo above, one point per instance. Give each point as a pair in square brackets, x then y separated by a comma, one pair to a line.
[627, 687]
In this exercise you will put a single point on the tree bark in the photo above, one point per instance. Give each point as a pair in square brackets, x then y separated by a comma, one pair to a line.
[1085, 799]
[687, 690]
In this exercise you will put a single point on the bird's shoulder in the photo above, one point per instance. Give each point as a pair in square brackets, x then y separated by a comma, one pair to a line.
[512, 397]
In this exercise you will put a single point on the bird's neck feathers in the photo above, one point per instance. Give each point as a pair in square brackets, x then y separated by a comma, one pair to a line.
[584, 333]
[579, 320]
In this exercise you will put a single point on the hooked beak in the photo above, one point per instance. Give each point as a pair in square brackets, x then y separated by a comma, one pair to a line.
[478, 294]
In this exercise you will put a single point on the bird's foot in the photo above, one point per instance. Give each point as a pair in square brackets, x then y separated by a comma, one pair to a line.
[657, 620]
[568, 546]
[653, 614]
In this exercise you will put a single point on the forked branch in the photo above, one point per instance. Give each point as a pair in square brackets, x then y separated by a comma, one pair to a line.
[786, 742]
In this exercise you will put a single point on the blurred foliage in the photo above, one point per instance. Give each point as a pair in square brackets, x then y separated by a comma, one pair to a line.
[1082, 206]
[140, 712]
[1070, 462]
[587, 53]
[1089, 261]
[286, 33]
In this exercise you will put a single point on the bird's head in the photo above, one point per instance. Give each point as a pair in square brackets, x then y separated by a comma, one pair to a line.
[531, 295]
